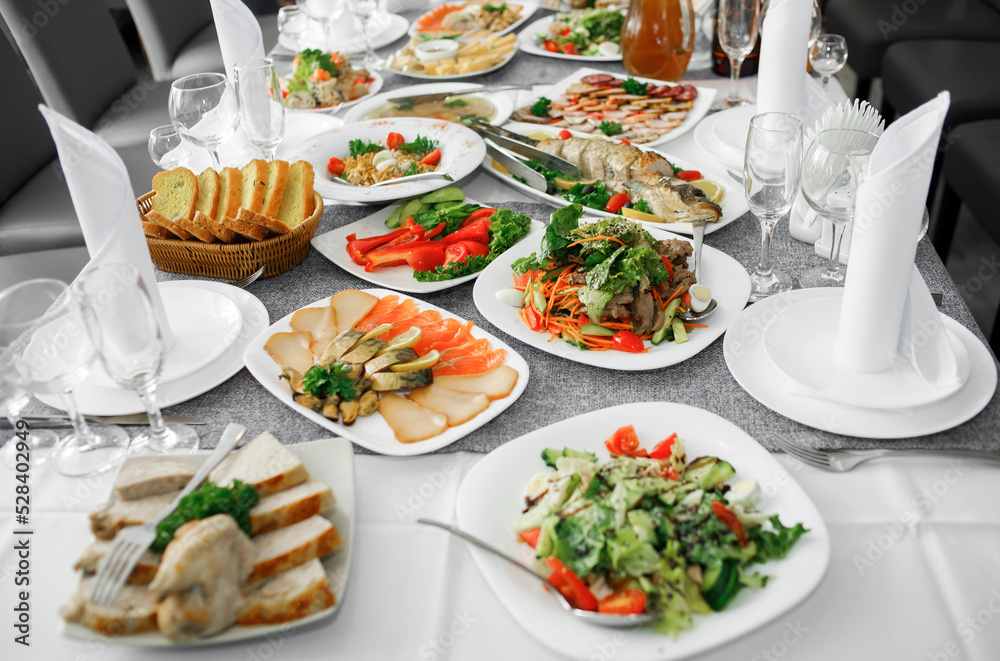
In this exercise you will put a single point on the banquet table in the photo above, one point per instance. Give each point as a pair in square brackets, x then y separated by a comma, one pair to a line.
[915, 565]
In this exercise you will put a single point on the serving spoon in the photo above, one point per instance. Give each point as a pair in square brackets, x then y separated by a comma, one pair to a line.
[601, 619]
[398, 180]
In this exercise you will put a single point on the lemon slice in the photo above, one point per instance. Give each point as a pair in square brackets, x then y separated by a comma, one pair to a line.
[567, 184]
[635, 214]
[407, 339]
[540, 135]
[499, 168]
[422, 363]
[710, 188]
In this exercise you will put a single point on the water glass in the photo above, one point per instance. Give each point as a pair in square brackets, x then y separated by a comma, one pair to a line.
[771, 168]
[204, 111]
[833, 168]
[739, 21]
[122, 325]
[262, 108]
[167, 149]
[325, 12]
[365, 11]
[828, 55]
[292, 26]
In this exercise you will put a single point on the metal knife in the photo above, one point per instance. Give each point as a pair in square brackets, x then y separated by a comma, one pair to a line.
[58, 420]
[516, 167]
[519, 146]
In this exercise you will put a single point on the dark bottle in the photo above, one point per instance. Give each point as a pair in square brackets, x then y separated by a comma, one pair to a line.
[720, 61]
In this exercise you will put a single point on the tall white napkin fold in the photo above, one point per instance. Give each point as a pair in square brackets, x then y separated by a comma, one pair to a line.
[239, 33]
[105, 204]
[781, 74]
[887, 309]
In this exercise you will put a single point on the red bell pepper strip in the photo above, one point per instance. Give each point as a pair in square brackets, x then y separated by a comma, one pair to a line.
[530, 537]
[670, 267]
[531, 318]
[731, 521]
[624, 602]
[664, 448]
[570, 586]
[394, 256]
[485, 212]
[372, 242]
[478, 231]
[434, 232]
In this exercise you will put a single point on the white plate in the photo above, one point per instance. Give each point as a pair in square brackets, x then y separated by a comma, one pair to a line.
[729, 282]
[373, 89]
[109, 400]
[491, 498]
[747, 361]
[723, 135]
[387, 28]
[330, 461]
[698, 109]
[373, 432]
[333, 246]
[503, 103]
[458, 76]
[528, 8]
[733, 203]
[300, 126]
[461, 152]
[528, 42]
[799, 342]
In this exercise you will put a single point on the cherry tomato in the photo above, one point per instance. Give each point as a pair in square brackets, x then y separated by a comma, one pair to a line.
[569, 48]
[431, 158]
[336, 166]
[394, 140]
[628, 341]
[551, 46]
[688, 175]
[625, 602]
[565, 31]
[456, 252]
[284, 94]
[530, 537]
[664, 448]
[617, 201]
[624, 442]
[565, 135]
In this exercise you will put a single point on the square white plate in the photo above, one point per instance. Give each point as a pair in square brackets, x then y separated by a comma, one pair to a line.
[491, 498]
[333, 246]
[373, 432]
[330, 461]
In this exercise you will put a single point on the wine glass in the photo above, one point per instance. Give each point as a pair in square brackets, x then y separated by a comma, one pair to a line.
[365, 10]
[53, 357]
[828, 55]
[166, 147]
[204, 111]
[121, 323]
[293, 23]
[738, 25]
[21, 306]
[325, 12]
[262, 108]
[771, 170]
[832, 169]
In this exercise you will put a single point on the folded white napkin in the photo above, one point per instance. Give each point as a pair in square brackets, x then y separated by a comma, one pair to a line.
[105, 204]
[781, 75]
[887, 309]
[239, 33]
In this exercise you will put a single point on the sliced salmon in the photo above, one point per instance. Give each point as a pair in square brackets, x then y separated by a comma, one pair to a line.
[474, 348]
[443, 335]
[432, 20]
[471, 364]
[419, 320]
[406, 309]
[385, 304]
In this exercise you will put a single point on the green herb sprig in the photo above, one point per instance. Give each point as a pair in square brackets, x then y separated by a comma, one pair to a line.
[361, 147]
[205, 501]
[541, 107]
[420, 146]
[633, 86]
[610, 128]
[322, 381]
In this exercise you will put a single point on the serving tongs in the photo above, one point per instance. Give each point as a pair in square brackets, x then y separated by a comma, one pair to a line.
[525, 146]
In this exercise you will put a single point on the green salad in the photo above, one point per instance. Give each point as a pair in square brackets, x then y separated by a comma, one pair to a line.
[590, 32]
[649, 531]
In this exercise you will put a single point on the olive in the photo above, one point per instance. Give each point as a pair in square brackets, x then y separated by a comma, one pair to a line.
[588, 189]
[628, 205]
[550, 189]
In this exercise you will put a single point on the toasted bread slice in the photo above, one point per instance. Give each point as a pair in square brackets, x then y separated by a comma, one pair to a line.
[108, 519]
[263, 462]
[290, 595]
[176, 193]
[195, 230]
[230, 185]
[275, 226]
[145, 568]
[298, 202]
[254, 183]
[248, 230]
[220, 231]
[277, 179]
[152, 476]
[208, 193]
[133, 610]
[290, 547]
[155, 216]
[155, 231]
[290, 506]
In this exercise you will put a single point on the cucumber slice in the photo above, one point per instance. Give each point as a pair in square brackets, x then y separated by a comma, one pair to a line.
[394, 219]
[680, 333]
[595, 329]
[442, 206]
[407, 210]
[549, 456]
[720, 584]
[449, 194]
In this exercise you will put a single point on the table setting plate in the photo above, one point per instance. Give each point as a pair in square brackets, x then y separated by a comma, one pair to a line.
[723, 135]
[373, 432]
[333, 246]
[527, 41]
[461, 153]
[105, 398]
[503, 103]
[459, 76]
[728, 280]
[733, 203]
[373, 89]
[490, 499]
[389, 28]
[329, 460]
[528, 8]
[747, 360]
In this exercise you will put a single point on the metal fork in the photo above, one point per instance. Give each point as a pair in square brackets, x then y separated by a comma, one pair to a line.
[840, 461]
[249, 280]
[129, 545]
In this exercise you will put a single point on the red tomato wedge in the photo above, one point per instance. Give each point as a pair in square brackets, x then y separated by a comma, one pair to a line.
[624, 602]
[688, 175]
[530, 537]
[431, 158]
[570, 586]
[728, 518]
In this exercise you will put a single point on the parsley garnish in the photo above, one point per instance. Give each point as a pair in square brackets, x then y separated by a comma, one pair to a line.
[456, 103]
[519, 179]
[633, 86]
[611, 128]
[411, 170]
[642, 205]
[420, 146]
[404, 105]
[497, 8]
[540, 108]
[322, 381]
[362, 147]
[205, 501]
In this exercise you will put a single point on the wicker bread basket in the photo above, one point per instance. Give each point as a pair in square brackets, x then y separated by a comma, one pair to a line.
[236, 260]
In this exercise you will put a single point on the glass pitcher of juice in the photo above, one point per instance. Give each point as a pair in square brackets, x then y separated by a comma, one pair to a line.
[658, 38]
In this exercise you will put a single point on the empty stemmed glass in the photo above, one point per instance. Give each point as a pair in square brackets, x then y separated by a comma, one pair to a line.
[292, 24]
[325, 12]
[738, 25]
[262, 108]
[53, 357]
[832, 169]
[365, 10]
[204, 111]
[166, 147]
[21, 306]
[828, 55]
[120, 320]
[771, 168]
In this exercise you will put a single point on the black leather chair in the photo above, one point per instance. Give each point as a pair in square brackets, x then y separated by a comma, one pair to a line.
[870, 26]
